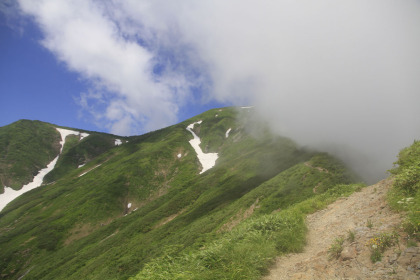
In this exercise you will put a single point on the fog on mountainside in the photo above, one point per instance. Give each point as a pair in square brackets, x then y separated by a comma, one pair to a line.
[338, 78]
[367, 149]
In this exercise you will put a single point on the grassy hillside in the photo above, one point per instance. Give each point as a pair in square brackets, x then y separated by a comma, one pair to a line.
[25, 148]
[246, 251]
[80, 226]
[405, 195]
[77, 153]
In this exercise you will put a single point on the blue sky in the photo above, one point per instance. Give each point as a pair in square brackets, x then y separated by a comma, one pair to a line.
[35, 85]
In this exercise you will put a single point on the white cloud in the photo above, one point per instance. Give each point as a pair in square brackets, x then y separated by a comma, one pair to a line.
[320, 71]
[84, 36]
[326, 73]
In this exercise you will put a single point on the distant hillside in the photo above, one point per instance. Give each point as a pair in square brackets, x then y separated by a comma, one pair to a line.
[25, 148]
[111, 210]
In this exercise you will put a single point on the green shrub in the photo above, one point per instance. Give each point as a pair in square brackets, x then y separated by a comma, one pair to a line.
[411, 243]
[375, 256]
[409, 179]
[407, 173]
[351, 235]
[405, 194]
[336, 248]
[379, 243]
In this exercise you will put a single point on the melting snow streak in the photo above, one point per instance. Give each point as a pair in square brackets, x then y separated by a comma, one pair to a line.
[83, 135]
[227, 132]
[10, 194]
[207, 160]
[90, 170]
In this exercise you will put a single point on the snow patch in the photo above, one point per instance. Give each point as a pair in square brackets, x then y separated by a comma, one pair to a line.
[10, 194]
[83, 135]
[179, 155]
[227, 132]
[64, 133]
[90, 170]
[81, 165]
[247, 107]
[118, 142]
[129, 205]
[207, 160]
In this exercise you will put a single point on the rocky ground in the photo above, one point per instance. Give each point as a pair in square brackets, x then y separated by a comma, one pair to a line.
[366, 214]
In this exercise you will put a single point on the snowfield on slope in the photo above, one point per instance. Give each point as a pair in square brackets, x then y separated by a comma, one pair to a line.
[207, 160]
[10, 194]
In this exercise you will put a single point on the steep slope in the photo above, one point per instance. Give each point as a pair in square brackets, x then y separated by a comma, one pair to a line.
[80, 150]
[365, 214]
[10, 194]
[372, 234]
[25, 148]
[356, 237]
[129, 203]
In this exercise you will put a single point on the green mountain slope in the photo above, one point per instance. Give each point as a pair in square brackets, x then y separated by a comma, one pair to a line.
[25, 148]
[130, 203]
[79, 152]
[28, 146]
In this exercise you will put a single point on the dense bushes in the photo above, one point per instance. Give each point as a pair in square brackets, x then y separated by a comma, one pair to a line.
[406, 192]
[407, 173]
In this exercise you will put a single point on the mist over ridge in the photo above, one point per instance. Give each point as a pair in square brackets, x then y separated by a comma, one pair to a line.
[335, 77]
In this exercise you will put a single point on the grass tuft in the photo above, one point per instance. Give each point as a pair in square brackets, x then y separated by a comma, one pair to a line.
[351, 235]
[336, 248]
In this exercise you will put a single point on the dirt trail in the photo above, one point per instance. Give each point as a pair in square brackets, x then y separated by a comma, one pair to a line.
[353, 213]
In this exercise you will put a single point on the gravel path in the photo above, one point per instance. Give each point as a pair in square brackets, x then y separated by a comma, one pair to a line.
[351, 214]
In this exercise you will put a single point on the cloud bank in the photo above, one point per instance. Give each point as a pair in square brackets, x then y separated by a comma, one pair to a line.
[341, 75]
[130, 89]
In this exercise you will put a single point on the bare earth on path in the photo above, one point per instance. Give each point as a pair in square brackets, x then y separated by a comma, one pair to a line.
[365, 213]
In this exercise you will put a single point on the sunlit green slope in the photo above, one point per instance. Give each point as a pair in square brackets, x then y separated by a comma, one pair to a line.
[121, 210]
[25, 148]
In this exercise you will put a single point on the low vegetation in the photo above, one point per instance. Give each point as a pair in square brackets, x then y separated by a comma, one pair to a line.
[379, 243]
[247, 251]
[81, 226]
[405, 195]
[25, 148]
[336, 248]
[351, 235]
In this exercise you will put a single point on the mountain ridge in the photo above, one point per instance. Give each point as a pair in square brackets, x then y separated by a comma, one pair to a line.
[113, 215]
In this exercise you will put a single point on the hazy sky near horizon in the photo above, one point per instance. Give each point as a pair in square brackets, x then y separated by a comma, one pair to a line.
[346, 73]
